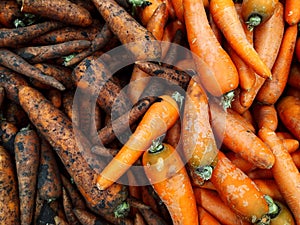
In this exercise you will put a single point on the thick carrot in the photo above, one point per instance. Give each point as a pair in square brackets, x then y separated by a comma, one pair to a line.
[157, 120]
[290, 144]
[239, 192]
[271, 90]
[288, 109]
[9, 198]
[18, 64]
[173, 135]
[168, 176]
[15, 36]
[9, 11]
[129, 30]
[178, 8]
[63, 10]
[294, 75]
[285, 172]
[238, 138]
[199, 146]
[27, 152]
[265, 116]
[8, 132]
[205, 218]
[292, 12]
[77, 159]
[217, 76]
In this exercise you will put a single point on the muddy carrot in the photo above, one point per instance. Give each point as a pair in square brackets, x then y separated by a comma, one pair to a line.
[27, 151]
[138, 219]
[54, 97]
[88, 218]
[151, 217]
[18, 64]
[39, 202]
[69, 108]
[68, 208]
[59, 221]
[148, 199]
[57, 207]
[64, 11]
[9, 11]
[147, 9]
[13, 113]
[8, 133]
[15, 36]
[129, 30]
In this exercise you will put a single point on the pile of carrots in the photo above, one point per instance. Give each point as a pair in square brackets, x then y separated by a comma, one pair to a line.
[206, 136]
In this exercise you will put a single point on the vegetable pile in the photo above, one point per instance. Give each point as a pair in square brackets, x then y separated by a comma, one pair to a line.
[207, 136]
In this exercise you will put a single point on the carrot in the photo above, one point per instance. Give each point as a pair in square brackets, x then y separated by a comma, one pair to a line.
[284, 216]
[209, 68]
[285, 172]
[147, 9]
[291, 145]
[294, 75]
[288, 111]
[9, 198]
[269, 187]
[27, 151]
[239, 192]
[248, 117]
[260, 174]
[173, 135]
[240, 139]
[69, 108]
[138, 219]
[256, 12]
[292, 12]
[156, 121]
[173, 186]
[148, 199]
[49, 182]
[212, 203]
[13, 113]
[8, 133]
[18, 64]
[265, 116]
[158, 20]
[68, 208]
[87, 4]
[57, 207]
[199, 146]
[297, 49]
[239, 162]
[129, 30]
[271, 90]
[88, 218]
[179, 9]
[9, 11]
[296, 158]
[59, 221]
[57, 129]
[64, 11]
[224, 11]
[292, 91]
[39, 202]
[54, 97]
[205, 218]
[15, 36]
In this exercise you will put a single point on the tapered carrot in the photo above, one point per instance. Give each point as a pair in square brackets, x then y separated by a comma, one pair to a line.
[15, 36]
[294, 75]
[238, 138]
[265, 116]
[9, 198]
[200, 36]
[285, 172]
[147, 9]
[129, 30]
[205, 218]
[64, 11]
[173, 186]
[27, 151]
[18, 64]
[9, 11]
[271, 90]
[156, 121]
[292, 12]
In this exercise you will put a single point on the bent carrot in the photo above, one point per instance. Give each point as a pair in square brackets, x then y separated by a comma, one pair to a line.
[157, 120]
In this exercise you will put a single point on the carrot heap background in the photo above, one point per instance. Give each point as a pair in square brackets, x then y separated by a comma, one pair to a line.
[215, 130]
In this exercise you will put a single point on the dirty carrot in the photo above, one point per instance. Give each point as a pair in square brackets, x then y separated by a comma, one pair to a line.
[10, 37]
[157, 120]
[88, 218]
[69, 108]
[27, 151]
[9, 198]
[9, 11]
[63, 10]
[218, 76]
[13, 113]
[148, 199]
[18, 64]
[168, 176]
[292, 12]
[271, 90]
[147, 9]
[54, 97]
[138, 219]
[8, 132]
[59, 221]
[68, 208]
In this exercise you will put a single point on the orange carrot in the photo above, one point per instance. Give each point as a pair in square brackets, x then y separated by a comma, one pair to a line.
[205, 218]
[8, 132]
[294, 75]
[298, 49]
[265, 116]
[13, 113]
[156, 121]
[269, 187]
[54, 97]
[239, 162]
[178, 8]
[284, 216]
[292, 12]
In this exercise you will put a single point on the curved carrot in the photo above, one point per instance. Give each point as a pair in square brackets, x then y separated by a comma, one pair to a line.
[168, 176]
[222, 76]
[271, 90]
[226, 18]
[292, 12]
[156, 121]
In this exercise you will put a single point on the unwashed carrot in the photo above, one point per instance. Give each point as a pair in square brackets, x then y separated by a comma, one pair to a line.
[88, 218]
[13, 113]
[68, 208]
[59, 221]
[54, 97]
[9, 11]
[8, 133]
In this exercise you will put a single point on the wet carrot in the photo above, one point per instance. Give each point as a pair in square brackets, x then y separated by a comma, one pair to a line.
[9, 11]
[290, 144]
[18, 64]
[27, 152]
[15, 36]
[64, 11]
[9, 198]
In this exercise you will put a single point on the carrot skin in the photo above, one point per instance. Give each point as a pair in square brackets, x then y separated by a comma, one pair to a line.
[9, 11]
[292, 12]
[205, 218]
[88, 218]
[294, 75]
[8, 133]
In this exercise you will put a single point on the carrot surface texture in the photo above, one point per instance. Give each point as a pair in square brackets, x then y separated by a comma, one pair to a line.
[157, 120]
[167, 174]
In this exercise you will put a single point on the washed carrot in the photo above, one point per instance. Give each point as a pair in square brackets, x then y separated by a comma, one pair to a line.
[288, 109]
[13, 113]
[291, 145]
[205, 218]
[147, 9]
[199, 146]
[271, 90]
[209, 68]
[128, 30]
[173, 54]
[88, 218]
[54, 125]
[215, 28]
[260, 174]
[8, 133]
[64, 11]
[256, 12]
[173, 186]
[240, 162]
[239, 192]
[296, 158]
[292, 91]
[19, 65]
[27, 152]
[249, 117]
[284, 216]
[157, 120]
[240, 139]
[9, 198]
[285, 172]
[292, 12]
[265, 116]
[15, 36]
[9, 11]
[173, 135]
[212, 203]
[68, 208]
[269, 187]
[179, 9]
[294, 75]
